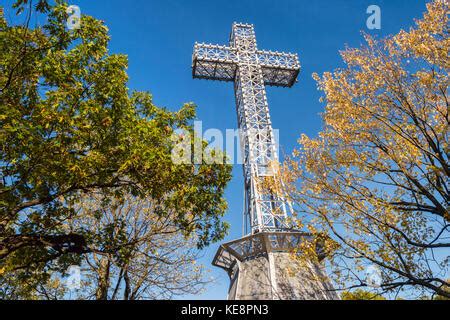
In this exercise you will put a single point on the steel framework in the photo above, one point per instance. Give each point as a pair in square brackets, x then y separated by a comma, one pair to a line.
[251, 70]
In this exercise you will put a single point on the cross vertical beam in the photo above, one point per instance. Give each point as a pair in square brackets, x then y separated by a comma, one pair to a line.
[251, 69]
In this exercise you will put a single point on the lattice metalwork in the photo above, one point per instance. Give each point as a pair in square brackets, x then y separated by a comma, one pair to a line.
[251, 70]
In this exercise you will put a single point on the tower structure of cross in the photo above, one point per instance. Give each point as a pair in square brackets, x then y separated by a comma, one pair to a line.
[258, 263]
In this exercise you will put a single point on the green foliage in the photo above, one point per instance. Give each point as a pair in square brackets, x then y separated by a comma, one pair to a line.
[69, 126]
[441, 297]
[360, 294]
[40, 5]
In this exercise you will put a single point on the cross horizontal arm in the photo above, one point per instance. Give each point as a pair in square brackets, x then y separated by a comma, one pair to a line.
[214, 62]
[279, 68]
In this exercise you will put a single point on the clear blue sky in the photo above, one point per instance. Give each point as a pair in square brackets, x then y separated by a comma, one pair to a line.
[158, 36]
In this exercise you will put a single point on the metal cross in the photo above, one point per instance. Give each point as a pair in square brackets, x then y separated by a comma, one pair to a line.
[251, 70]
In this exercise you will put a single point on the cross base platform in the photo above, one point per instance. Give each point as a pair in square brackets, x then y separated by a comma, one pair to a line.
[262, 267]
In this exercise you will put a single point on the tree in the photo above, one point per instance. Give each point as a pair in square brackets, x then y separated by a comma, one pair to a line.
[373, 186]
[154, 259]
[138, 254]
[70, 127]
[360, 294]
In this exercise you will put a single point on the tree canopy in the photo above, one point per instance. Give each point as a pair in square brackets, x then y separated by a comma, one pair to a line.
[70, 126]
[374, 185]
